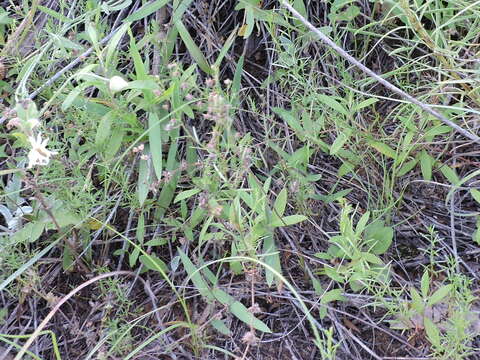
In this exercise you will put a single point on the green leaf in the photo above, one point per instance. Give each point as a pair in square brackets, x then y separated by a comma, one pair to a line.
[193, 49]
[332, 295]
[235, 266]
[409, 165]
[155, 140]
[426, 165]
[156, 242]
[450, 174]
[242, 313]
[140, 232]
[475, 194]
[30, 232]
[226, 46]
[378, 237]
[143, 85]
[220, 326]
[334, 104]
[299, 5]
[331, 197]
[365, 103]
[345, 168]
[371, 258]
[362, 223]
[223, 297]
[67, 258]
[288, 220]
[237, 82]
[91, 31]
[438, 130]
[133, 257]
[65, 217]
[110, 7]
[323, 255]
[438, 295]
[433, 333]
[332, 272]
[290, 118]
[383, 148]
[186, 194]
[272, 259]
[425, 284]
[65, 43]
[146, 10]
[144, 177]
[239, 310]
[196, 277]
[71, 97]
[338, 143]
[152, 262]
[417, 302]
[317, 285]
[180, 9]
[104, 129]
[348, 14]
[114, 143]
[280, 203]
[4, 19]
[140, 68]
[112, 46]
[168, 190]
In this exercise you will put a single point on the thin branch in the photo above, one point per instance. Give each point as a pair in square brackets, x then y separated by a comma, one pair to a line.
[427, 108]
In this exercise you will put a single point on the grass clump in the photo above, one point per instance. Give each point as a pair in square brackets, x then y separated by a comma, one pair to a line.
[194, 179]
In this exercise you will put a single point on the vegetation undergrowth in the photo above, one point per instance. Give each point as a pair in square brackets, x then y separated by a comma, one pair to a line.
[189, 179]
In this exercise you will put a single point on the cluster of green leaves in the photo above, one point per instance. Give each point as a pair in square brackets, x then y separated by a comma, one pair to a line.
[356, 251]
[443, 311]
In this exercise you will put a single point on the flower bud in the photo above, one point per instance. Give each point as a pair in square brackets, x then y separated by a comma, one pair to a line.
[117, 84]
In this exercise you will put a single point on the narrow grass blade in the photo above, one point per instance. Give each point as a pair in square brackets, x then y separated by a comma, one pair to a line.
[193, 49]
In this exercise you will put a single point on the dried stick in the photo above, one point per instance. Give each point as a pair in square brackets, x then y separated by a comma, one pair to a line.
[425, 107]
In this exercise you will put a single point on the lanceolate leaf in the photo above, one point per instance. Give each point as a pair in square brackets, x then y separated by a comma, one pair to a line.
[475, 194]
[186, 194]
[383, 148]
[155, 139]
[240, 311]
[280, 203]
[289, 220]
[272, 258]
[438, 295]
[146, 10]
[193, 49]
[144, 178]
[195, 276]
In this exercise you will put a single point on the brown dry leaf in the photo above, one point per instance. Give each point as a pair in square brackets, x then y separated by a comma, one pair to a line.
[351, 325]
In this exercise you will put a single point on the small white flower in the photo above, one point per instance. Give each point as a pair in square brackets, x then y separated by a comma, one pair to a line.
[117, 84]
[39, 155]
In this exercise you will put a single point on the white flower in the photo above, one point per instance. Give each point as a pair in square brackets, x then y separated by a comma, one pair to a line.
[39, 155]
[117, 84]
